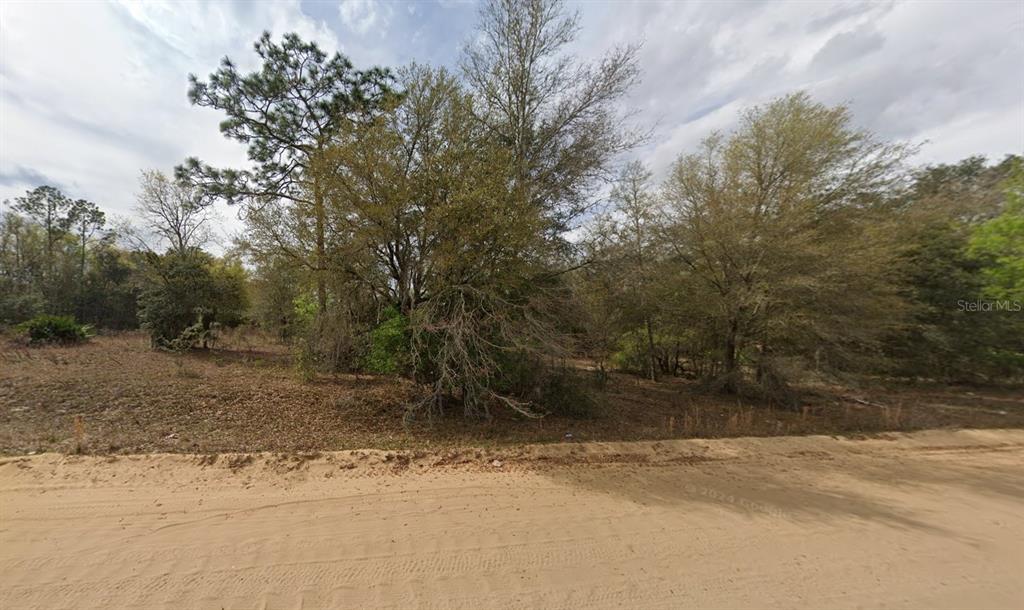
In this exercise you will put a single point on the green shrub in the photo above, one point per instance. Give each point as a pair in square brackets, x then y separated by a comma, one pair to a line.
[17, 304]
[55, 329]
[631, 354]
[389, 344]
[183, 290]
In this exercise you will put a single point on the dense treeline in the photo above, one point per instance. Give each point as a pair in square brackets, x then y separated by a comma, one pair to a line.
[749, 266]
[58, 257]
[478, 232]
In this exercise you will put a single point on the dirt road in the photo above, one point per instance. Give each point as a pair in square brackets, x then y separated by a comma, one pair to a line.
[928, 520]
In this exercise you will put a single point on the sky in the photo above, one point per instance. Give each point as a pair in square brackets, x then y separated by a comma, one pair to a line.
[93, 92]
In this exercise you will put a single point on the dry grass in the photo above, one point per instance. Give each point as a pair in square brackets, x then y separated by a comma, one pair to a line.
[115, 394]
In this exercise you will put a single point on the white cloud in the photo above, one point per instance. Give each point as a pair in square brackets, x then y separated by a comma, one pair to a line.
[362, 15]
[91, 93]
[942, 71]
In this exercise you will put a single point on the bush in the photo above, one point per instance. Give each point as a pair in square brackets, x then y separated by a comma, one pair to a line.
[631, 355]
[186, 295]
[389, 344]
[571, 394]
[17, 305]
[553, 389]
[55, 329]
[327, 345]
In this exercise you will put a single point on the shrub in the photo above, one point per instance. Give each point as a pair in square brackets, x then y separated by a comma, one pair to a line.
[55, 329]
[327, 342]
[550, 388]
[17, 304]
[199, 334]
[571, 394]
[389, 344]
[185, 295]
[631, 355]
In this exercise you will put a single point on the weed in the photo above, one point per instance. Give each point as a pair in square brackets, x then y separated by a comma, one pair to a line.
[78, 434]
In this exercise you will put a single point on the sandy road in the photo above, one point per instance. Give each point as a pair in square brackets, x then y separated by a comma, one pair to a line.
[929, 520]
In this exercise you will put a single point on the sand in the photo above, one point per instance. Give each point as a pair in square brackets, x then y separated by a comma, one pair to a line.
[924, 520]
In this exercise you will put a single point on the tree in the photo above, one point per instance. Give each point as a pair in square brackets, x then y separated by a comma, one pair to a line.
[781, 225]
[635, 206]
[67, 227]
[453, 207]
[172, 211]
[422, 219]
[72, 267]
[22, 264]
[111, 287]
[409, 184]
[939, 270]
[184, 294]
[624, 248]
[47, 206]
[286, 113]
[275, 287]
[999, 242]
[84, 219]
[558, 117]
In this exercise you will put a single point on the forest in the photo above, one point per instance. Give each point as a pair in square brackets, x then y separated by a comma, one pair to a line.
[487, 234]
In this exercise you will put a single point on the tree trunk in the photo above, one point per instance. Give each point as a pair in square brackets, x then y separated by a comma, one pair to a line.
[81, 281]
[650, 350]
[731, 365]
[762, 356]
[321, 249]
[762, 360]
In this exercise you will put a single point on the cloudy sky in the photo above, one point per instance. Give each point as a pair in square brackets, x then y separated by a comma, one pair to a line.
[92, 92]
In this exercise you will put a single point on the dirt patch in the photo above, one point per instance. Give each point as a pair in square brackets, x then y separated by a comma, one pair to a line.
[116, 395]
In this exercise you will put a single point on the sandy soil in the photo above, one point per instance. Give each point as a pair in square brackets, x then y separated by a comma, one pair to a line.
[922, 520]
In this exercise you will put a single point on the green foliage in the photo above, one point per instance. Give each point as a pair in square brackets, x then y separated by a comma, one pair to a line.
[942, 340]
[109, 293]
[560, 119]
[327, 342]
[447, 205]
[631, 352]
[955, 254]
[426, 233]
[389, 344]
[304, 309]
[55, 329]
[48, 207]
[999, 243]
[778, 244]
[286, 113]
[428, 225]
[229, 301]
[276, 289]
[56, 257]
[555, 389]
[186, 294]
[295, 102]
[17, 305]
